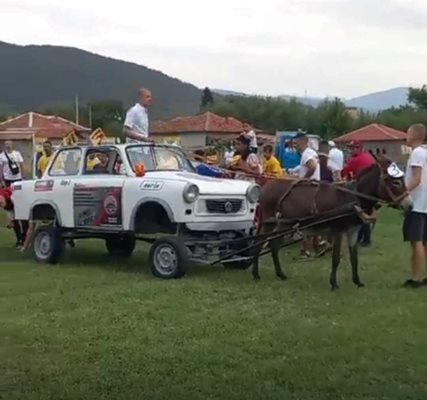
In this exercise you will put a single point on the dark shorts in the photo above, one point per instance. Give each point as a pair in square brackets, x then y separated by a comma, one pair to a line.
[415, 227]
[253, 150]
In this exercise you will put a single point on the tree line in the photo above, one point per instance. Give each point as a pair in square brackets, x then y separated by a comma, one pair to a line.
[329, 119]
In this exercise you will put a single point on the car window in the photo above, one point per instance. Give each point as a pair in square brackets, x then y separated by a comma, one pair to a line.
[67, 162]
[103, 161]
[159, 158]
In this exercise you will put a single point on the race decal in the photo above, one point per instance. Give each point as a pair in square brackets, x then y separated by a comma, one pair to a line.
[43, 186]
[97, 206]
[151, 185]
[65, 182]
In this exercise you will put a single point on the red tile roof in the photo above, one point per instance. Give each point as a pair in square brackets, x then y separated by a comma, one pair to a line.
[373, 133]
[48, 126]
[207, 122]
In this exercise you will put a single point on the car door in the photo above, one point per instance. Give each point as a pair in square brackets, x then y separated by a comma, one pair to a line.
[57, 184]
[97, 194]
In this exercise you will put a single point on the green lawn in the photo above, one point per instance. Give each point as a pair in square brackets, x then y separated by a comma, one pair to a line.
[92, 328]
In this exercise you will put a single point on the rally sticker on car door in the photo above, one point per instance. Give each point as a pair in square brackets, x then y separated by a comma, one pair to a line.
[43, 186]
[97, 207]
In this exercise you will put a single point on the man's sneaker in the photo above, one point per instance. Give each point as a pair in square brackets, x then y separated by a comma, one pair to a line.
[410, 283]
[424, 282]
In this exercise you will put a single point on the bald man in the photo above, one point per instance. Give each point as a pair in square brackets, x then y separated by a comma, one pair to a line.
[136, 123]
[415, 224]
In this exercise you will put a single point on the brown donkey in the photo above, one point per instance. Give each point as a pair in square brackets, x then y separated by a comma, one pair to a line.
[335, 210]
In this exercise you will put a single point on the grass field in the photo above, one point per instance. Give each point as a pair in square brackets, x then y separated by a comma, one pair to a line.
[93, 328]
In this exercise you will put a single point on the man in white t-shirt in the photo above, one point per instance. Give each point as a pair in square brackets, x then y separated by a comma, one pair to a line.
[136, 125]
[250, 134]
[336, 159]
[415, 224]
[309, 167]
[11, 165]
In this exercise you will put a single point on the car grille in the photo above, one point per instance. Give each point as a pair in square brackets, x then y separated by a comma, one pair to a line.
[231, 206]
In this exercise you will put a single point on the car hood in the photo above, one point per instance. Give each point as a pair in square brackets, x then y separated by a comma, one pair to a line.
[206, 185]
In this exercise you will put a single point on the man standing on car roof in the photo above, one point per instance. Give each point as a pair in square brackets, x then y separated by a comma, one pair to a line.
[136, 125]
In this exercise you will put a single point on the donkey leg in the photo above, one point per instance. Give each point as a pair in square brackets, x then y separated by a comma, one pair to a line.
[336, 258]
[275, 250]
[255, 263]
[256, 252]
[354, 257]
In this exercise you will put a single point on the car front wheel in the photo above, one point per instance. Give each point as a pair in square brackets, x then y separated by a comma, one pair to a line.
[48, 245]
[168, 258]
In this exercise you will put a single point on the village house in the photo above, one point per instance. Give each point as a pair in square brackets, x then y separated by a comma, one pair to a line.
[201, 131]
[378, 139]
[29, 130]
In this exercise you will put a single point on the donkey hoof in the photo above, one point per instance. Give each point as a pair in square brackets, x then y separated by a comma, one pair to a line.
[334, 287]
[359, 284]
[256, 278]
[282, 277]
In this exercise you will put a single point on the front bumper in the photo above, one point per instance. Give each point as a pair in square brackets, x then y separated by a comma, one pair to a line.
[221, 226]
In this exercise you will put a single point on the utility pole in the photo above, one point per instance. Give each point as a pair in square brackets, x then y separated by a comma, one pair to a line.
[90, 115]
[77, 110]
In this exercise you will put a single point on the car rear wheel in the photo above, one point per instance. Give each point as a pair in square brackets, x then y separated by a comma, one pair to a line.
[48, 245]
[168, 258]
[120, 246]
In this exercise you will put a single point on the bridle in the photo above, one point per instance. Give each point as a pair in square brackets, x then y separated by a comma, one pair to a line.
[395, 200]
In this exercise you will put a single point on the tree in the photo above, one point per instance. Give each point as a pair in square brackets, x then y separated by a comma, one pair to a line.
[105, 114]
[418, 97]
[207, 98]
[108, 115]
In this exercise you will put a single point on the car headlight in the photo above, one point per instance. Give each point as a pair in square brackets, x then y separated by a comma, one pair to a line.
[191, 193]
[253, 192]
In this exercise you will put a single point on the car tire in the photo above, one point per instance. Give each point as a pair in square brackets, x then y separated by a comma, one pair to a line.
[242, 264]
[168, 258]
[120, 246]
[48, 245]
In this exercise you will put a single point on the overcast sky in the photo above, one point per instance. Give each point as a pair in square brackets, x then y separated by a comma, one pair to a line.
[325, 47]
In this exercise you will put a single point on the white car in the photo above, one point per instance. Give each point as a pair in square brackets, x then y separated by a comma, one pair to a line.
[124, 193]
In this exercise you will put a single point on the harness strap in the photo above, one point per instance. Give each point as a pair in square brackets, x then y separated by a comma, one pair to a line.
[286, 194]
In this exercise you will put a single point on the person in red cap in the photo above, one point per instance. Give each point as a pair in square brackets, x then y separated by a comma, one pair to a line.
[358, 161]
[20, 227]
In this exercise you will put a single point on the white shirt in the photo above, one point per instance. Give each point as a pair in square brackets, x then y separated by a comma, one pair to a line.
[418, 158]
[253, 162]
[251, 135]
[4, 163]
[137, 120]
[336, 159]
[307, 155]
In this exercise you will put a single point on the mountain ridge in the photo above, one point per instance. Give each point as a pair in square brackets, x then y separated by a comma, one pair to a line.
[374, 102]
[35, 76]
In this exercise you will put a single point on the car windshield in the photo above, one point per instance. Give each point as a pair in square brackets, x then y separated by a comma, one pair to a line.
[158, 158]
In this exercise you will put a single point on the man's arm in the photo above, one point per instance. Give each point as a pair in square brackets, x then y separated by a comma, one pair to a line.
[416, 178]
[311, 168]
[132, 134]
[348, 171]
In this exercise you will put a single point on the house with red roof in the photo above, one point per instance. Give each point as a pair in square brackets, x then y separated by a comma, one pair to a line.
[378, 139]
[30, 129]
[200, 131]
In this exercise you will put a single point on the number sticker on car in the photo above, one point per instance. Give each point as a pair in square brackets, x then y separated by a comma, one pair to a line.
[151, 185]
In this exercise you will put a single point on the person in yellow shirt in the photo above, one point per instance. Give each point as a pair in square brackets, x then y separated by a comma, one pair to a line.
[44, 160]
[271, 165]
